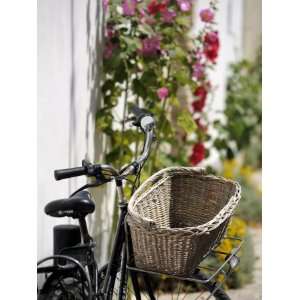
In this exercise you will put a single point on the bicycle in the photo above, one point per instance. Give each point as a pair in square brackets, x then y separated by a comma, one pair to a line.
[74, 273]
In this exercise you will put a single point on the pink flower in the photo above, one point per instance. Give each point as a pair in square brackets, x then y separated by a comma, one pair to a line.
[142, 12]
[129, 7]
[162, 93]
[198, 70]
[110, 32]
[198, 54]
[149, 21]
[150, 46]
[168, 16]
[108, 50]
[105, 4]
[184, 5]
[146, 19]
[207, 15]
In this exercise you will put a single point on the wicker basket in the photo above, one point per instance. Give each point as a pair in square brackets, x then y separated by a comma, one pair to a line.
[177, 216]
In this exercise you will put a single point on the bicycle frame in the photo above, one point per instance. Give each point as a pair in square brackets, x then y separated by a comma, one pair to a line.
[122, 244]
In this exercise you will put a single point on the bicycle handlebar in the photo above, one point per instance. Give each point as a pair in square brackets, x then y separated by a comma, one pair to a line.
[71, 172]
[145, 121]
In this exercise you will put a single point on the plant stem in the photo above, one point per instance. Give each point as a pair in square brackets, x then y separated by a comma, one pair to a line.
[123, 121]
[162, 121]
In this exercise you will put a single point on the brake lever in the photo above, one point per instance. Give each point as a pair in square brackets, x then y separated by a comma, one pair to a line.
[86, 163]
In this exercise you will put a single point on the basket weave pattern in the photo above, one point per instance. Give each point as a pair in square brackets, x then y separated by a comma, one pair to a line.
[177, 216]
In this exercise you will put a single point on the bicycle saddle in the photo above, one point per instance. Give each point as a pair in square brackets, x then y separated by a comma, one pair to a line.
[76, 206]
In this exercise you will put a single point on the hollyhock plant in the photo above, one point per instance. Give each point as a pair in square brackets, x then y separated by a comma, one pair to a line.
[198, 105]
[198, 154]
[198, 70]
[163, 93]
[155, 7]
[150, 46]
[105, 4]
[129, 7]
[108, 50]
[110, 32]
[198, 54]
[168, 16]
[150, 54]
[207, 15]
[184, 5]
[201, 94]
[211, 45]
[212, 38]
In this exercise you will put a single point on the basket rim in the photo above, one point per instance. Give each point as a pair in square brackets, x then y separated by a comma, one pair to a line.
[159, 177]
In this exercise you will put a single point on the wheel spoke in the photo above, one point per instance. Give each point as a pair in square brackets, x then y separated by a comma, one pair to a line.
[179, 289]
[172, 289]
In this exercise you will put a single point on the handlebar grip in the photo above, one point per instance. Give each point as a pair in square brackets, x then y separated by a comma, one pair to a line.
[143, 118]
[68, 173]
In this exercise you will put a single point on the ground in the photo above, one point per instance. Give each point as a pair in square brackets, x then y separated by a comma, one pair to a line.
[251, 291]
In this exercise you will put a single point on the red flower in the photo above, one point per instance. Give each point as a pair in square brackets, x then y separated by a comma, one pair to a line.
[211, 45]
[201, 93]
[198, 154]
[154, 7]
[198, 105]
[212, 38]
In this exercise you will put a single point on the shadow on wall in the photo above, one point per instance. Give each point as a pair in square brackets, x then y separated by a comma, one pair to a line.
[100, 221]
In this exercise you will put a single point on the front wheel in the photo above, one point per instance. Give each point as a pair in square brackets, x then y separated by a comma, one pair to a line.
[142, 286]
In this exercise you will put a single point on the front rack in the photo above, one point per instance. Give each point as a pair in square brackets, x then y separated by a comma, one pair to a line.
[231, 261]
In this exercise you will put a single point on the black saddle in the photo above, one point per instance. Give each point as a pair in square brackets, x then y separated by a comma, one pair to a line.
[76, 206]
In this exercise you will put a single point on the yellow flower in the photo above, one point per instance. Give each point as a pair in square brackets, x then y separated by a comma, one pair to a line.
[247, 172]
[230, 168]
[236, 228]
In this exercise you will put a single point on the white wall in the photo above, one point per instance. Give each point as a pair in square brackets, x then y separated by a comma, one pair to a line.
[67, 99]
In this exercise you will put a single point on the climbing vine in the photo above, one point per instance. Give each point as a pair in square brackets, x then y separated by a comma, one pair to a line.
[152, 59]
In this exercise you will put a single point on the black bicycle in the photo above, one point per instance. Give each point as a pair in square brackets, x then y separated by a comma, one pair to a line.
[73, 272]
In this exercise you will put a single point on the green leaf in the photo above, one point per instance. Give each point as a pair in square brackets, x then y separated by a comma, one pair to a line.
[104, 121]
[146, 29]
[186, 122]
[132, 43]
[113, 155]
[184, 21]
[182, 76]
[138, 88]
[174, 101]
[149, 78]
[180, 53]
